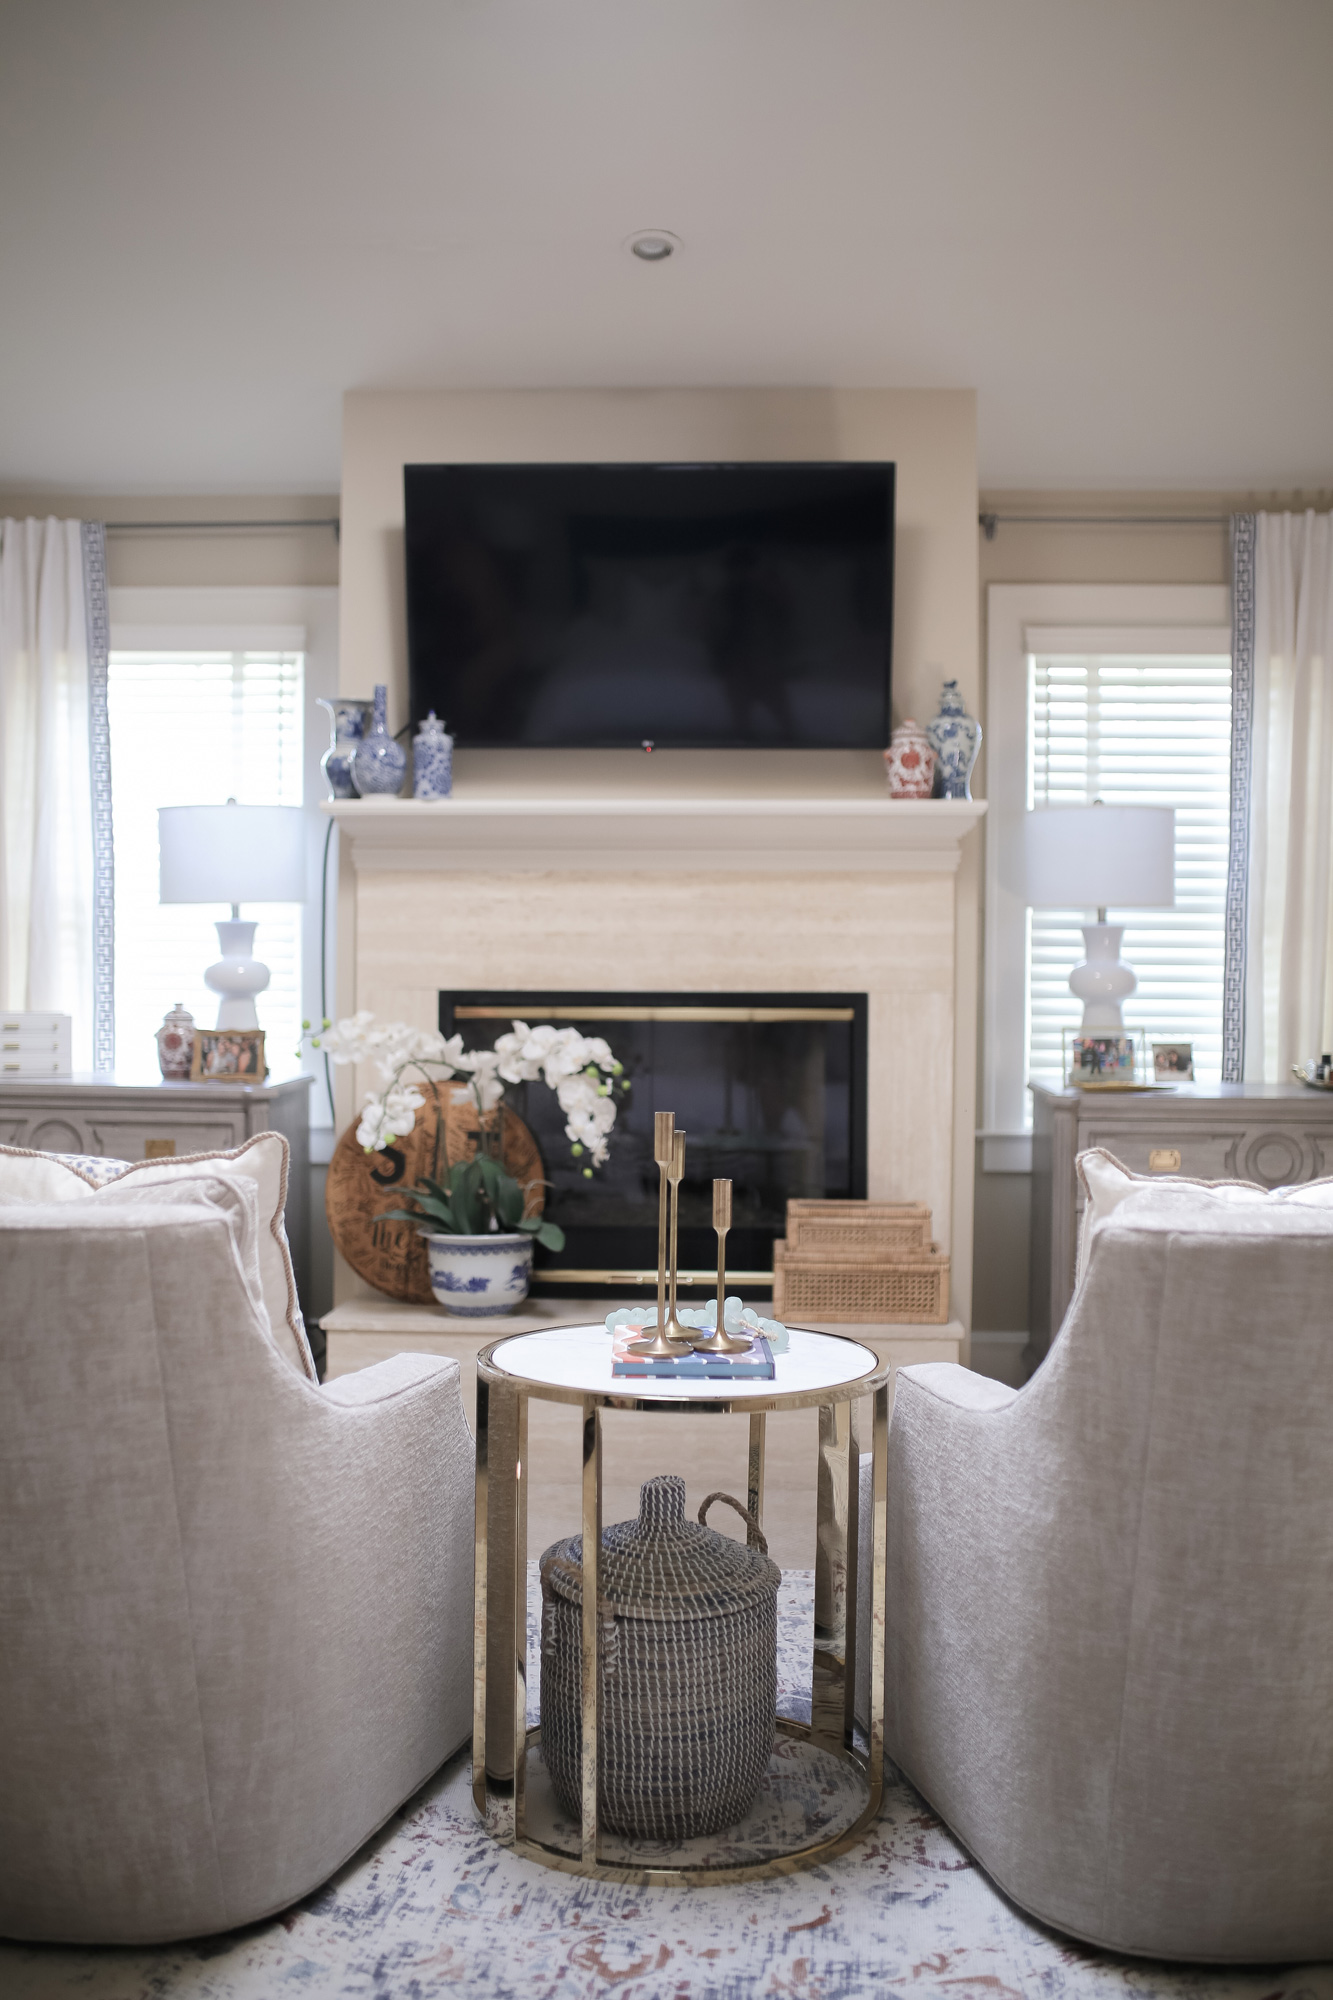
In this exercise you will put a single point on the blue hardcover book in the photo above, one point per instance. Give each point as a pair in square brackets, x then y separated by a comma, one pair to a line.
[756, 1366]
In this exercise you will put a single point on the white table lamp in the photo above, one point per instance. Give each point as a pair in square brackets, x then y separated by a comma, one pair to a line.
[1082, 856]
[232, 854]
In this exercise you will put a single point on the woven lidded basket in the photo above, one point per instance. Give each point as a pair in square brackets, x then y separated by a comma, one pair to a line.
[688, 1690]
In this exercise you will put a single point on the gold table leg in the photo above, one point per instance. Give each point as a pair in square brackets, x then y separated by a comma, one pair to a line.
[879, 1607]
[592, 1623]
[827, 1680]
[520, 1601]
[855, 1583]
[754, 1498]
[479, 1559]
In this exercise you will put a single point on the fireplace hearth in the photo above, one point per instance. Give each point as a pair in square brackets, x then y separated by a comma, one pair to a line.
[769, 1087]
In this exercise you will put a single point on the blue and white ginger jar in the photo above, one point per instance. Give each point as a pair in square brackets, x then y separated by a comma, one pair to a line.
[379, 762]
[955, 737]
[432, 760]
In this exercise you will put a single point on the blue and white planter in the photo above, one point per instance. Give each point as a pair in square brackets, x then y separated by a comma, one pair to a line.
[479, 1277]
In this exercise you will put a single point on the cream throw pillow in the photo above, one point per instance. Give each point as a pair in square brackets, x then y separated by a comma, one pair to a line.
[1107, 1183]
[28, 1176]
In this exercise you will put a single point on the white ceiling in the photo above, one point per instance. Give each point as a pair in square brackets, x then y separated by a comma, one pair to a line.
[1110, 216]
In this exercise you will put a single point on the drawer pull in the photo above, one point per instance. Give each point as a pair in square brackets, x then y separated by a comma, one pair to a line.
[1164, 1160]
[159, 1149]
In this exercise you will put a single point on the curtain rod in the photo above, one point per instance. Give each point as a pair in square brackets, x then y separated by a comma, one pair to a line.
[199, 527]
[990, 522]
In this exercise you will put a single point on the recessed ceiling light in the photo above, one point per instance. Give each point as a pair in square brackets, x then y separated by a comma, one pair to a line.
[653, 245]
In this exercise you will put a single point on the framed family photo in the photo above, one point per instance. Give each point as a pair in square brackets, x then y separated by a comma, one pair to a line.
[1173, 1062]
[228, 1055]
[1101, 1059]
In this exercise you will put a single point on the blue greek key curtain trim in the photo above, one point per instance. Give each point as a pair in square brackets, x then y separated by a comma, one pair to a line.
[1242, 736]
[93, 534]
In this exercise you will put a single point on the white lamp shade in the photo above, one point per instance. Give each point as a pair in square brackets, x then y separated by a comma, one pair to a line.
[1101, 856]
[231, 854]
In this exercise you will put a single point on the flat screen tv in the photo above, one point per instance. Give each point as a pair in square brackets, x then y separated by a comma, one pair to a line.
[652, 606]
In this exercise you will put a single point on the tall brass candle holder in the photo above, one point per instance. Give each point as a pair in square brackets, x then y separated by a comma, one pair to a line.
[668, 1338]
[719, 1341]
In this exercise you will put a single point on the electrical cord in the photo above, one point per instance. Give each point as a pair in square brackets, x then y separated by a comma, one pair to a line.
[324, 963]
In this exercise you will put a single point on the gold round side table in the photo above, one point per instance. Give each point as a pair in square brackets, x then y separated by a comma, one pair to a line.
[572, 1364]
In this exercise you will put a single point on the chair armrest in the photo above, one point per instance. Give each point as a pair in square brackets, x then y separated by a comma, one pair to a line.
[959, 1387]
[397, 1376]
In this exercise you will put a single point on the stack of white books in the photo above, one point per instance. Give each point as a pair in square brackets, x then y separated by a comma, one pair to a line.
[35, 1044]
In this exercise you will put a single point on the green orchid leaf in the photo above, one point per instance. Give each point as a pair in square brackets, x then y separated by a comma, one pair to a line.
[508, 1204]
[550, 1235]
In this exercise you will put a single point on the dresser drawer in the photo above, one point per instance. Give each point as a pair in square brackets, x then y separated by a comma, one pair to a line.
[129, 1137]
[1271, 1153]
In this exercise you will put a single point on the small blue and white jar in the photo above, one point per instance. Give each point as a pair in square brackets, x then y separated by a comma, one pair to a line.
[479, 1277]
[378, 763]
[955, 737]
[432, 760]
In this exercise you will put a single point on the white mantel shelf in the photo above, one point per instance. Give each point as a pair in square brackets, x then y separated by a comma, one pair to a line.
[780, 835]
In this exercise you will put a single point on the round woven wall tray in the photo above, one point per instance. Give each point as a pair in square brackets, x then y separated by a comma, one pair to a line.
[360, 1186]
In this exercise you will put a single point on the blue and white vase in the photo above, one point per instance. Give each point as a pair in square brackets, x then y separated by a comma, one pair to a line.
[955, 737]
[350, 715]
[479, 1277]
[379, 763]
[432, 760]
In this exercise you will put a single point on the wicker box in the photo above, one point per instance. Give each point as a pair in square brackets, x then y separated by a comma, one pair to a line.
[907, 1289]
[857, 1229]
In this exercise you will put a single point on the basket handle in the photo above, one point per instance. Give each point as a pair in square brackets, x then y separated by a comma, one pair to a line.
[744, 1513]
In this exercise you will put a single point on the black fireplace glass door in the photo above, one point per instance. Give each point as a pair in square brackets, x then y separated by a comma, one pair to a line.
[769, 1088]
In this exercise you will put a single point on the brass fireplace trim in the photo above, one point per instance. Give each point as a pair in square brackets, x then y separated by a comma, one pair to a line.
[692, 1278]
[761, 1014]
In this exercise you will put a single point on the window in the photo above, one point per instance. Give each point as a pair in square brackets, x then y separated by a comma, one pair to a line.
[196, 726]
[1119, 692]
[1136, 729]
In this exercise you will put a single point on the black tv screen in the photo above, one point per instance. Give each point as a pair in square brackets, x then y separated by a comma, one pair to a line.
[677, 606]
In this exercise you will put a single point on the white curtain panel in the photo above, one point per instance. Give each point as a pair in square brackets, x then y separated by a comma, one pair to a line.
[1282, 784]
[47, 869]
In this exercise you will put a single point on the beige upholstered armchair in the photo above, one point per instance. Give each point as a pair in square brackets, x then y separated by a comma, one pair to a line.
[1110, 1594]
[235, 1608]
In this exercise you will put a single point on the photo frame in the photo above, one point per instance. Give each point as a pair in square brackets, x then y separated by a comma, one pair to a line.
[228, 1055]
[1173, 1062]
[1101, 1059]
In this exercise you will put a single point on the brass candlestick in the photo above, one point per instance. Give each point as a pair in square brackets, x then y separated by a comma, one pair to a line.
[666, 1335]
[719, 1341]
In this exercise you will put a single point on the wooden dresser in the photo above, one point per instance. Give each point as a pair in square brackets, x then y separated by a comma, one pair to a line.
[1271, 1133]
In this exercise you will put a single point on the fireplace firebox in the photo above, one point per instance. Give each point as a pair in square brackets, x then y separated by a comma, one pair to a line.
[769, 1087]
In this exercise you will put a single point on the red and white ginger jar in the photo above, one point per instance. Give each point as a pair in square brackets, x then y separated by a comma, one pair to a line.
[909, 762]
[175, 1045]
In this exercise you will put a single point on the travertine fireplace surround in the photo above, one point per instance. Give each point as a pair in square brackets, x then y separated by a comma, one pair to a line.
[689, 871]
[695, 895]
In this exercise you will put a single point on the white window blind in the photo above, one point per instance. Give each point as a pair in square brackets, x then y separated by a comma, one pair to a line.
[197, 727]
[1137, 729]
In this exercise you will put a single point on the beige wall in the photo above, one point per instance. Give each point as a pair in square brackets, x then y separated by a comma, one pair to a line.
[930, 434]
[204, 557]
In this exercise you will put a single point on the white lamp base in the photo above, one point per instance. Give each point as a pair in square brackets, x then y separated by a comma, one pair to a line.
[1103, 981]
[238, 976]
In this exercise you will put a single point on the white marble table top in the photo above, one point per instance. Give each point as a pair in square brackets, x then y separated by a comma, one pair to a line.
[579, 1358]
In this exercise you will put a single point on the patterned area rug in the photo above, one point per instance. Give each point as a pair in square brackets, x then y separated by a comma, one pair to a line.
[432, 1907]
